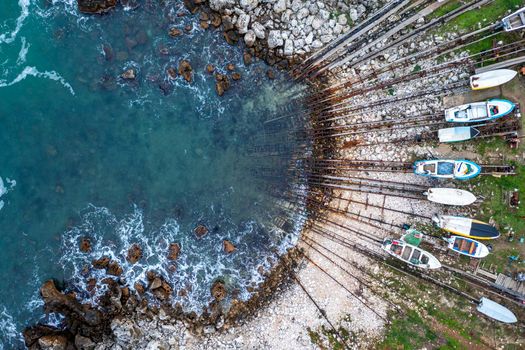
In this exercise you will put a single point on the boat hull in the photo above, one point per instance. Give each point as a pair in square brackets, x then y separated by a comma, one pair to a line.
[447, 169]
[491, 78]
[457, 134]
[496, 311]
[410, 254]
[450, 196]
[468, 247]
[479, 111]
[466, 227]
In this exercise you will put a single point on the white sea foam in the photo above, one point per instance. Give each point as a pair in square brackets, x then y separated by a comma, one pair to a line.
[8, 332]
[34, 72]
[9, 37]
[4, 189]
[23, 51]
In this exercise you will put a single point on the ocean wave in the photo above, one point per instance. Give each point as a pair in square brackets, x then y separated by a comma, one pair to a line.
[23, 51]
[4, 189]
[200, 262]
[8, 330]
[34, 72]
[9, 37]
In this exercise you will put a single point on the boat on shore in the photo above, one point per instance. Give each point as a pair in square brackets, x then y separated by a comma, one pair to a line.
[457, 134]
[496, 311]
[467, 246]
[413, 237]
[450, 196]
[491, 78]
[514, 21]
[447, 169]
[462, 226]
[410, 254]
[479, 111]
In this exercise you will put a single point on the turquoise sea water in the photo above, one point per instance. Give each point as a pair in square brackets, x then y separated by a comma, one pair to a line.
[85, 153]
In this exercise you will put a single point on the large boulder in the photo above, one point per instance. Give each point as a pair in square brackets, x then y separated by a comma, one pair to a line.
[174, 250]
[125, 332]
[53, 342]
[134, 253]
[185, 70]
[218, 5]
[96, 6]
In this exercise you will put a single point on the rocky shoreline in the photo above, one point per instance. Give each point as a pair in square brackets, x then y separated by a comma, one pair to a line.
[115, 320]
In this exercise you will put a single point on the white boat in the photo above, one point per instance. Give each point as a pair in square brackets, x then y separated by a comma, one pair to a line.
[467, 246]
[479, 111]
[450, 196]
[462, 226]
[491, 78]
[410, 254]
[447, 168]
[496, 311]
[514, 21]
[457, 134]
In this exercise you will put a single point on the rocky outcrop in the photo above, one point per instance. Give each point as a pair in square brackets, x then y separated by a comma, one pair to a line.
[200, 231]
[173, 251]
[128, 74]
[96, 6]
[134, 254]
[185, 70]
[85, 245]
[228, 247]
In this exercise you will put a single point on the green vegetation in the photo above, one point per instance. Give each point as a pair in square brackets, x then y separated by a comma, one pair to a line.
[409, 332]
[484, 15]
[446, 8]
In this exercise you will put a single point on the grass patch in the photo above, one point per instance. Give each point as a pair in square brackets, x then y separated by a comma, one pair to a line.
[410, 332]
[443, 10]
[484, 15]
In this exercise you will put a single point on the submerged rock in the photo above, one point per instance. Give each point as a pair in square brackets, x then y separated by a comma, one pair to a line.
[185, 70]
[172, 73]
[85, 245]
[210, 68]
[236, 75]
[134, 254]
[218, 290]
[228, 247]
[200, 231]
[101, 263]
[174, 251]
[175, 32]
[129, 74]
[96, 6]
[114, 269]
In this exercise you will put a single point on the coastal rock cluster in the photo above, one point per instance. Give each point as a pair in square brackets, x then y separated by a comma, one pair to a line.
[287, 27]
[126, 318]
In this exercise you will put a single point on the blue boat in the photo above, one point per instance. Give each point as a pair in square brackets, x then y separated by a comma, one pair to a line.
[467, 246]
[447, 169]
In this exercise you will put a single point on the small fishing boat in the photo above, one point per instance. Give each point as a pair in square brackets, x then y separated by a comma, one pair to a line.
[514, 21]
[410, 254]
[491, 78]
[457, 134]
[479, 111]
[447, 169]
[450, 196]
[466, 227]
[496, 311]
[467, 246]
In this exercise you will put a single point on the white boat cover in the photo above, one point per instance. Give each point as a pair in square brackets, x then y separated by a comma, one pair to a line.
[450, 196]
[491, 78]
[496, 311]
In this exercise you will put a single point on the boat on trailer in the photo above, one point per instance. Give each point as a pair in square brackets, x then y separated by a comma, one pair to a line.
[479, 111]
[457, 134]
[450, 196]
[491, 78]
[514, 21]
[467, 246]
[496, 311]
[462, 226]
[447, 169]
[410, 254]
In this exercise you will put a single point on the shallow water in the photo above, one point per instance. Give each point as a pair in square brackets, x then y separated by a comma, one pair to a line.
[85, 153]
